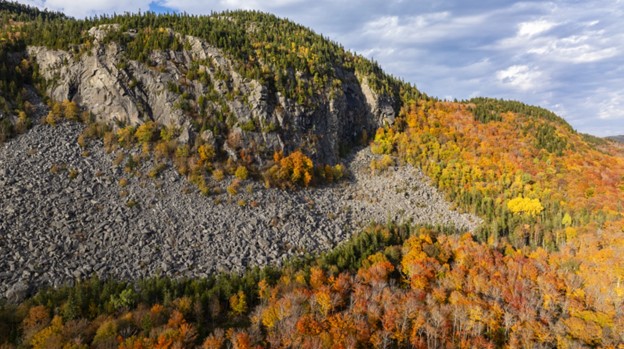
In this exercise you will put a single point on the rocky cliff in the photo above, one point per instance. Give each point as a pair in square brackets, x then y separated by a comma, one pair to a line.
[176, 86]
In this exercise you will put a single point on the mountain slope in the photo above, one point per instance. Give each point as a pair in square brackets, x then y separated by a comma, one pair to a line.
[501, 166]
[234, 99]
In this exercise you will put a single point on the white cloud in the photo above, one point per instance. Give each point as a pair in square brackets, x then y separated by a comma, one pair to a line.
[520, 77]
[421, 29]
[584, 44]
[612, 106]
[585, 48]
[529, 29]
[86, 8]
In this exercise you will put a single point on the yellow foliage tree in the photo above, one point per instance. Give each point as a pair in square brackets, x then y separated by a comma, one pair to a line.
[384, 141]
[125, 135]
[206, 152]
[241, 173]
[146, 132]
[70, 110]
[296, 168]
[529, 207]
[238, 303]
[49, 335]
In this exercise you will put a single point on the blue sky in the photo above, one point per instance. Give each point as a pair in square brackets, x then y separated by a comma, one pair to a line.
[567, 56]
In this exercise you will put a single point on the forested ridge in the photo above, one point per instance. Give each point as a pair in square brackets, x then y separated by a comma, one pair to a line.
[545, 270]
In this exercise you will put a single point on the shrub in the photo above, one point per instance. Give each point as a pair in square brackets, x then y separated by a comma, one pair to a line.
[206, 152]
[119, 159]
[23, 122]
[168, 133]
[71, 110]
[162, 149]
[131, 203]
[110, 142]
[156, 170]
[241, 173]
[218, 175]
[232, 189]
[381, 164]
[125, 136]
[203, 187]
[73, 173]
[55, 114]
[147, 132]
[82, 142]
[51, 119]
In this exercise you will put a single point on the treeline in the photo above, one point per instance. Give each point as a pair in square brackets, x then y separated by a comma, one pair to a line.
[20, 12]
[490, 109]
[224, 300]
[388, 287]
[484, 106]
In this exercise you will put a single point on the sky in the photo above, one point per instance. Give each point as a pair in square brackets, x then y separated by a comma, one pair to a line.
[566, 56]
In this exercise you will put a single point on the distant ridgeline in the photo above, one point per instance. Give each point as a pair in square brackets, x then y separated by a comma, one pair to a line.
[617, 138]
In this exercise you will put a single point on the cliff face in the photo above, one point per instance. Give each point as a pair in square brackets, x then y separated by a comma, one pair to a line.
[117, 89]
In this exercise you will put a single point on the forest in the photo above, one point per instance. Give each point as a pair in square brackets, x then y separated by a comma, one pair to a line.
[545, 270]
[389, 286]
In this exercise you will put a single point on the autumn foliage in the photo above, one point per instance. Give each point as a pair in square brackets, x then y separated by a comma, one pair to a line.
[521, 168]
[292, 170]
[388, 287]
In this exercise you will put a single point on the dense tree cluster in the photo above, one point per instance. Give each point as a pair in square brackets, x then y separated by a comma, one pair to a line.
[481, 107]
[20, 12]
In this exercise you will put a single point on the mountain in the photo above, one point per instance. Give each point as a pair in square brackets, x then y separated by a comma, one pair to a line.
[617, 138]
[237, 180]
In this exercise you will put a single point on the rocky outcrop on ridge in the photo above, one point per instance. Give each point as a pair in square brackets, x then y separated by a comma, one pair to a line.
[117, 89]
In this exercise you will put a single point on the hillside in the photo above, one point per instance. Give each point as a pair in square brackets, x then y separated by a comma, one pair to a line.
[237, 180]
[617, 138]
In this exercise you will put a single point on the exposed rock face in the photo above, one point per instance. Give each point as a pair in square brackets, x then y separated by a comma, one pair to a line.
[115, 88]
